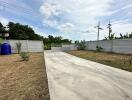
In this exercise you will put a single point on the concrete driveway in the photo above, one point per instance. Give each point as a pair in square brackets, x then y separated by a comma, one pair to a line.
[73, 78]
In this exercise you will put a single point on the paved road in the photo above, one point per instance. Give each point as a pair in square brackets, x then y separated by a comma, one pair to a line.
[73, 78]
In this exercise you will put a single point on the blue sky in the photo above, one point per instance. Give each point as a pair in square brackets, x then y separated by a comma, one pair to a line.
[73, 19]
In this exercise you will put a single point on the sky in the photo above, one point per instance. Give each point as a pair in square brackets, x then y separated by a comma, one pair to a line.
[73, 19]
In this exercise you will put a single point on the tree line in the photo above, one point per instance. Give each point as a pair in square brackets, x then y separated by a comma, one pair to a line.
[24, 32]
[121, 36]
[19, 32]
[55, 41]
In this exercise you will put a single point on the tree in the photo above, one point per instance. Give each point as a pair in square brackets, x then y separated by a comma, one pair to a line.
[22, 32]
[2, 30]
[55, 41]
[125, 36]
[80, 45]
[1, 25]
[111, 37]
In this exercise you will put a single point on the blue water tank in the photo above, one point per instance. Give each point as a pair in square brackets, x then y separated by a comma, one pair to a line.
[5, 49]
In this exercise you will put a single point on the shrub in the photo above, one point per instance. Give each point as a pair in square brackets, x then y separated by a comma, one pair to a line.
[47, 47]
[24, 56]
[99, 49]
[1, 41]
[18, 45]
[80, 45]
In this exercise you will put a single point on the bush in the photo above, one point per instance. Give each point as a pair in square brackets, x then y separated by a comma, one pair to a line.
[99, 49]
[18, 45]
[47, 47]
[24, 56]
[1, 41]
[80, 45]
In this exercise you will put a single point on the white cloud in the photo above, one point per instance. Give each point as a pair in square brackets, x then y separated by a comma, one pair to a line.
[50, 23]
[80, 16]
[73, 16]
[1, 8]
[67, 27]
[50, 9]
[82, 13]
[38, 31]
[122, 26]
[120, 9]
[4, 20]
[86, 12]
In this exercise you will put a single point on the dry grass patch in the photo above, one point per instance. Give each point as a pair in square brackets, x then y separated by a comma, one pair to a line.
[21, 80]
[111, 59]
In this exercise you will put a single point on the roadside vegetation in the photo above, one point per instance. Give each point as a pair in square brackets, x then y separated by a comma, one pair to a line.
[125, 36]
[54, 41]
[23, 80]
[120, 61]
[18, 31]
[81, 45]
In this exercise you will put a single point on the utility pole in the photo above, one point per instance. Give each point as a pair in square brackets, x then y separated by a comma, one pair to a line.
[110, 29]
[99, 28]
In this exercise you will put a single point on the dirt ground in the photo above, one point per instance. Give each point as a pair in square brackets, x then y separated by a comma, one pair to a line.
[115, 60]
[21, 80]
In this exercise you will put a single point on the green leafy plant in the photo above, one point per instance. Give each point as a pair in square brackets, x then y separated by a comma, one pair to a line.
[47, 47]
[80, 45]
[99, 48]
[1, 41]
[24, 56]
[18, 45]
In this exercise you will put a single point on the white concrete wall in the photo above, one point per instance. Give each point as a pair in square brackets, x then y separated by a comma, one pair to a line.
[118, 46]
[107, 45]
[56, 48]
[69, 47]
[27, 45]
[91, 45]
[35, 46]
[122, 46]
[64, 48]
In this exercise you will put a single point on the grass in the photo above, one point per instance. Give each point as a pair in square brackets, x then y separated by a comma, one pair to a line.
[111, 59]
[23, 80]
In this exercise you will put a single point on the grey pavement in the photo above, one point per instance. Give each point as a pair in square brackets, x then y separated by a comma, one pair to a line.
[73, 78]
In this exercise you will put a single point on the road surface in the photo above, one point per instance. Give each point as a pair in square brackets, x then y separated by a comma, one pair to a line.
[73, 78]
